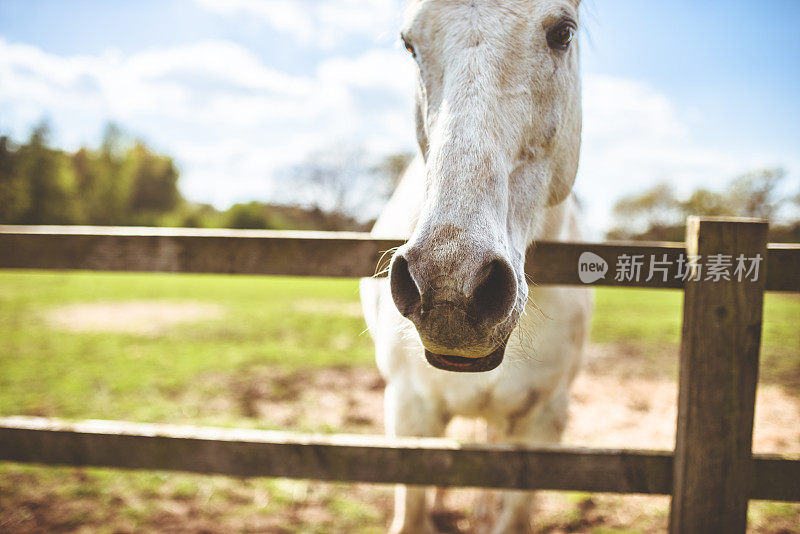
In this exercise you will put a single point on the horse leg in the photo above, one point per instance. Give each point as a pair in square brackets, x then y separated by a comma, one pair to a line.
[408, 414]
[539, 426]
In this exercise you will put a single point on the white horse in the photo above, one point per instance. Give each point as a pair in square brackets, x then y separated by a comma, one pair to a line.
[498, 125]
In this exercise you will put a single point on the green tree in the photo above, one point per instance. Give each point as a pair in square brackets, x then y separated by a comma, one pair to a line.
[112, 187]
[153, 182]
[656, 214]
[14, 192]
[705, 202]
[93, 203]
[42, 169]
[121, 182]
[755, 194]
[253, 215]
[195, 215]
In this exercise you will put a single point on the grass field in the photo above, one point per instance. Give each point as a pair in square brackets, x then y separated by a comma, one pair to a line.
[55, 362]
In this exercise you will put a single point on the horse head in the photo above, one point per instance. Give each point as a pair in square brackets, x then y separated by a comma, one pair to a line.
[498, 123]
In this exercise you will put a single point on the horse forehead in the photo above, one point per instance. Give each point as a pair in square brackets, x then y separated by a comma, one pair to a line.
[498, 3]
[450, 22]
[435, 14]
[501, 8]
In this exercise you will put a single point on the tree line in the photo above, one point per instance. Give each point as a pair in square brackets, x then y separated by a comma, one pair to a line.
[123, 182]
[659, 214]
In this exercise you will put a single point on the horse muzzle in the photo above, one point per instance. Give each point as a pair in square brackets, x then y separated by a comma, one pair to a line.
[462, 364]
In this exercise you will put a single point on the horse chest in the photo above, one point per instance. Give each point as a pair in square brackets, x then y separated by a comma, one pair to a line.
[502, 395]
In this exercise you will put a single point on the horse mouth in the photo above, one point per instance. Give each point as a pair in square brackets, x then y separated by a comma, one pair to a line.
[460, 364]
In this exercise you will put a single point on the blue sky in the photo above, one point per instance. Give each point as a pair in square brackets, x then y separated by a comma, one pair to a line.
[736, 62]
[687, 92]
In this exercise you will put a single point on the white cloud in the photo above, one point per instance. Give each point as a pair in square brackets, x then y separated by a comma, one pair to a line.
[167, 81]
[322, 23]
[229, 119]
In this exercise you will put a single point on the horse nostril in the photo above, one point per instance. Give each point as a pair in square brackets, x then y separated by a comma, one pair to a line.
[494, 297]
[404, 290]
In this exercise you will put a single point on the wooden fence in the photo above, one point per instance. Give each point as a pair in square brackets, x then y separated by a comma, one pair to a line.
[711, 475]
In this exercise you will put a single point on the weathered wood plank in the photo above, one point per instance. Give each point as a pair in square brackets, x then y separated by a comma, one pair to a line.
[358, 458]
[335, 254]
[252, 453]
[717, 386]
[192, 251]
[783, 267]
[550, 263]
[776, 477]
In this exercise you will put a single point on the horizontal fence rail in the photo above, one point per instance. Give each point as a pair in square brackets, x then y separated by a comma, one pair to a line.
[330, 254]
[361, 458]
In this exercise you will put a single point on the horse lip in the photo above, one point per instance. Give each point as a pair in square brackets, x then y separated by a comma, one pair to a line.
[459, 364]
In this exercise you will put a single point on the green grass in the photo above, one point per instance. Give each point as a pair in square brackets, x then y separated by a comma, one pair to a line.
[178, 376]
[67, 499]
[637, 316]
[649, 320]
[46, 371]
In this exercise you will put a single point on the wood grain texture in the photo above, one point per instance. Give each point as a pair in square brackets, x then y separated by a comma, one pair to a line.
[717, 386]
[783, 267]
[352, 458]
[331, 254]
[359, 458]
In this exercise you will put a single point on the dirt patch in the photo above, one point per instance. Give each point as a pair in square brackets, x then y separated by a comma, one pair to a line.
[343, 399]
[328, 307]
[615, 406]
[641, 413]
[606, 410]
[149, 317]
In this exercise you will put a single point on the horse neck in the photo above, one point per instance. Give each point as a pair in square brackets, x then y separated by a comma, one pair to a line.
[560, 222]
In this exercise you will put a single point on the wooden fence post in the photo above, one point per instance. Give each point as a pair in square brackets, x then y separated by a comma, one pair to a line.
[718, 374]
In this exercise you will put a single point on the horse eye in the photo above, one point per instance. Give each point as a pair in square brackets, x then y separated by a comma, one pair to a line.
[561, 36]
[409, 47]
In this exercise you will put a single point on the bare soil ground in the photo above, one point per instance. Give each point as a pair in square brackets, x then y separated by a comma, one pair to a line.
[607, 410]
[131, 317]
[326, 307]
